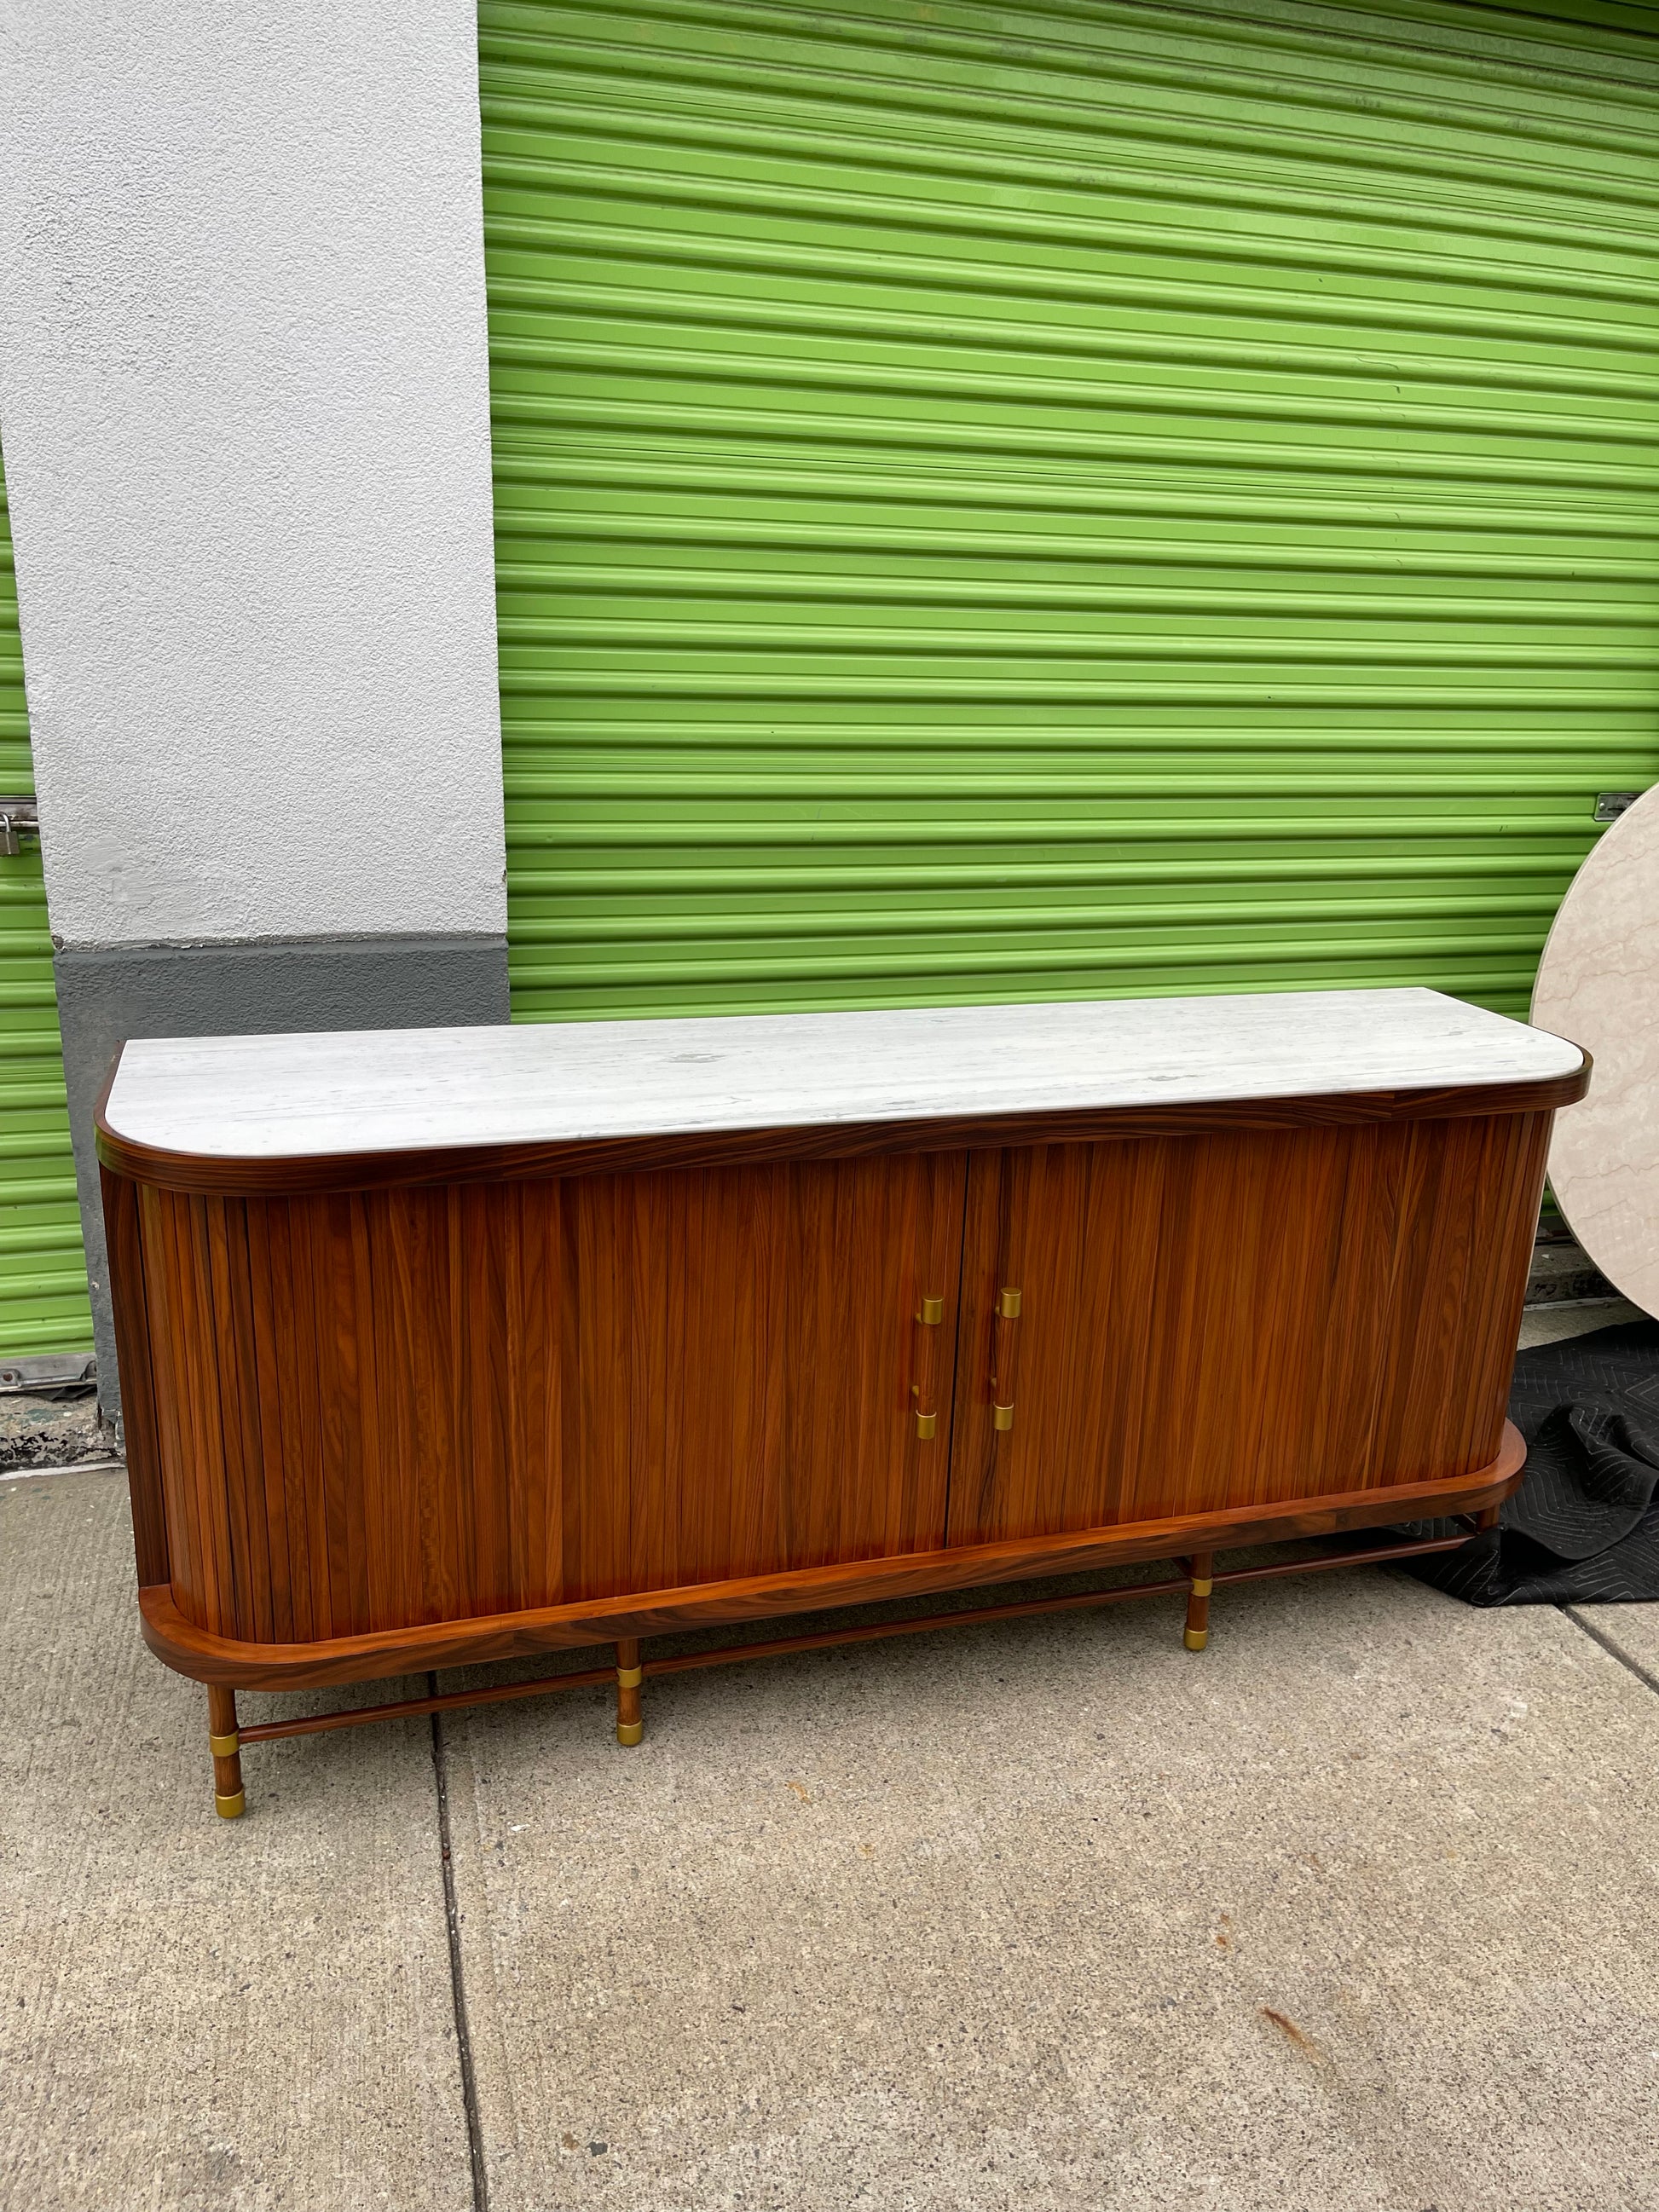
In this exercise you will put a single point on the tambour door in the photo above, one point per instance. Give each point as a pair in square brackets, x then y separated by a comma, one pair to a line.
[1244, 1318]
[739, 1349]
[384, 1408]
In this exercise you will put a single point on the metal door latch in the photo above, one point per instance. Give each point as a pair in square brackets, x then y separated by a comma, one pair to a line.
[1610, 805]
[19, 818]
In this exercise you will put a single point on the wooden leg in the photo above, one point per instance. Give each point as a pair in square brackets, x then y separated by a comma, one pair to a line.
[1487, 1519]
[226, 1745]
[1198, 1599]
[629, 1675]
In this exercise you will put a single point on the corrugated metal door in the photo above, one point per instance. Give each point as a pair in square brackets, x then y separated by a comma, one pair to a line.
[1000, 503]
[43, 1276]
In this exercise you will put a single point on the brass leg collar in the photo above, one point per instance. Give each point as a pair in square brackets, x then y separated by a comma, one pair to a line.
[1196, 1638]
[629, 1677]
[225, 1747]
[629, 1731]
[231, 1808]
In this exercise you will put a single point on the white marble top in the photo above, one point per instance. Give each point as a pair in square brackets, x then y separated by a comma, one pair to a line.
[367, 1091]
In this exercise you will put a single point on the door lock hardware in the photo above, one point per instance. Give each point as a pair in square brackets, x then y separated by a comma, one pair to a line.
[19, 818]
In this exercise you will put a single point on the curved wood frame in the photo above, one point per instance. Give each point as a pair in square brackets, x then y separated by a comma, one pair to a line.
[241, 1665]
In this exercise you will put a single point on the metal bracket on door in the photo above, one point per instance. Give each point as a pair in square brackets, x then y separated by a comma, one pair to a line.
[19, 818]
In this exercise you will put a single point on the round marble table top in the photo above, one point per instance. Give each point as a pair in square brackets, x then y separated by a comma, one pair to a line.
[1598, 983]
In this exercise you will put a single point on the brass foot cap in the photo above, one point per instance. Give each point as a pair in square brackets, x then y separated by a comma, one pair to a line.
[1196, 1638]
[629, 1731]
[231, 1808]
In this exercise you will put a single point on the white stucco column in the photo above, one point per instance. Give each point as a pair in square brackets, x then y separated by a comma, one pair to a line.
[245, 414]
[244, 400]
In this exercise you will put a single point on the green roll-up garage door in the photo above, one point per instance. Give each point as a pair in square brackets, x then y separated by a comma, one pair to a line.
[1000, 503]
[43, 1276]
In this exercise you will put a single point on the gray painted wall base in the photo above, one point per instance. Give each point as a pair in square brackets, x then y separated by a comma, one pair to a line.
[231, 990]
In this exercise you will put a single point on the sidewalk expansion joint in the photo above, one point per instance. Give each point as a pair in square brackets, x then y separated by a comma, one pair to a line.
[457, 1980]
[1596, 1636]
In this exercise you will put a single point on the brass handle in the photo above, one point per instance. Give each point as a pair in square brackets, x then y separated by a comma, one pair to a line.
[925, 1389]
[1005, 1357]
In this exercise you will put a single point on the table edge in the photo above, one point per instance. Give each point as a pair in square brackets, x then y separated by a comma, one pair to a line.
[231, 1175]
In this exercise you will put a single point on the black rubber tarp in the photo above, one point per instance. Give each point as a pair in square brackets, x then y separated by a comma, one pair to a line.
[1585, 1524]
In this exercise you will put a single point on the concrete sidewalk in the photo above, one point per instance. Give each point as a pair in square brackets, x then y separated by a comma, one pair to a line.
[1356, 1910]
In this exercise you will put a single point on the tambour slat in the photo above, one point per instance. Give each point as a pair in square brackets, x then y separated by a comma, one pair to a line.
[1073, 499]
[43, 1276]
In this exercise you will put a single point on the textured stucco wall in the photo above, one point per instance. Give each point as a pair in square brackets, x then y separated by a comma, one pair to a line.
[244, 402]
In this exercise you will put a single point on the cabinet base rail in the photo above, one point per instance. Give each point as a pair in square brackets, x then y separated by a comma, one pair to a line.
[1196, 1583]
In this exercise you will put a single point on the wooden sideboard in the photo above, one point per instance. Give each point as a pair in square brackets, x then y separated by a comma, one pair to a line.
[442, 1347]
